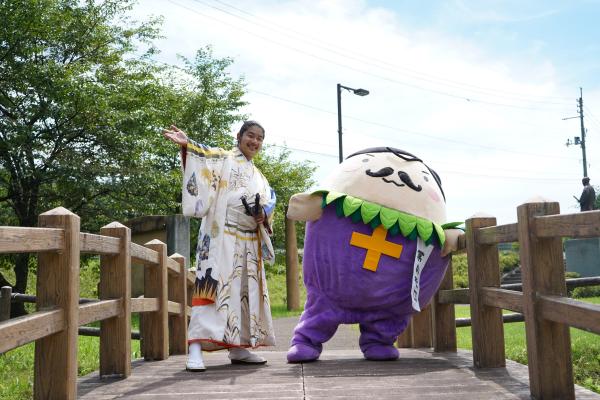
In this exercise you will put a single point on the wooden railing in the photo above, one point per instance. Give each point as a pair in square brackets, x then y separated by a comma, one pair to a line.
[59, 244]
[547, 311]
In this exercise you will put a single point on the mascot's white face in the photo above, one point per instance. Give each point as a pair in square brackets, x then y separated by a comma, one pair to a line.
[389, 180]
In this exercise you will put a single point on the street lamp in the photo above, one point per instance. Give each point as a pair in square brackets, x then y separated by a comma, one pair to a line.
[359, 92]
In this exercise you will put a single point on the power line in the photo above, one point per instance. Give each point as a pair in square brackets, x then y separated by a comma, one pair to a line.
[406, 130]
[318, 42]
[395, 81]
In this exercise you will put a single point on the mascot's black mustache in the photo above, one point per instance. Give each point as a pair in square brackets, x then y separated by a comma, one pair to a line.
[404, 177]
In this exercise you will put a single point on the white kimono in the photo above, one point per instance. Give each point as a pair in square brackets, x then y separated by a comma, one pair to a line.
[230, 303]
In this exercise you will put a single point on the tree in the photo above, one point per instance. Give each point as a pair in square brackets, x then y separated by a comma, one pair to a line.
[81, 110]
[286, 178]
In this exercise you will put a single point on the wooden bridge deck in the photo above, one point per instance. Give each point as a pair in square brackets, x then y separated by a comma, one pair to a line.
[340, 373]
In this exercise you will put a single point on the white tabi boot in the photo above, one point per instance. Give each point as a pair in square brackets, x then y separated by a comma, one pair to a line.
[239, 355]
[194, 361]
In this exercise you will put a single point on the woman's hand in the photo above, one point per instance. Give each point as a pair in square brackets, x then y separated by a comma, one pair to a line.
[260, 217]
[176, 135]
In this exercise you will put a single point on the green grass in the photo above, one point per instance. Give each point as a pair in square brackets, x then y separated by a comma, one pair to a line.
[277, 293]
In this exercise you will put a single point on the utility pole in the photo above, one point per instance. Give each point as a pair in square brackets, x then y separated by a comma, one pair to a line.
[582, 132]
[580, 140]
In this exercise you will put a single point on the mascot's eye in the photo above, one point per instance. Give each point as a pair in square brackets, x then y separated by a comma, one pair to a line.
[365, 160]
[426, 179]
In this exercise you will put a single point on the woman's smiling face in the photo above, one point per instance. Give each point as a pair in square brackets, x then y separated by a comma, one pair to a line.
[250, 142]
[391, 181]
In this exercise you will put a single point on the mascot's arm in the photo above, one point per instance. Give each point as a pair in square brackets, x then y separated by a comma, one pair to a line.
[305, 207]
[451, 243]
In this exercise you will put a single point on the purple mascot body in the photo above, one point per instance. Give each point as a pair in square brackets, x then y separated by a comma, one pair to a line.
[373, 252]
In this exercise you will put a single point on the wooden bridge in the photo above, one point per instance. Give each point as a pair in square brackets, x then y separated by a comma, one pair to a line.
[430, 365]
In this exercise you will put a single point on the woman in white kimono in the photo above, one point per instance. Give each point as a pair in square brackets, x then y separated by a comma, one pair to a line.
[230, 303]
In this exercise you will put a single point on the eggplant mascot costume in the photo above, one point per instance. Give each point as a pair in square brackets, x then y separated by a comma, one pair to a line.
[375, 250]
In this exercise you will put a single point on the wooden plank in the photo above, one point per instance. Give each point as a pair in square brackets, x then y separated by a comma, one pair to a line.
[174, 308]
[156, 324]
[422, 328]
[55, 365]
[498, 234]
[580, 225]
[178, 321]
[461, 246]
[502, 298]
[572, 312]
[173, 267]
[143, 255]
[454, 296]
[30, 240]
[542, 271]
[18, 331]
[191, 278]
[115, 283]
[292, 274]
[98, 311]
[98, 244]
[484, 271]
[444, 329]
[143, 305]
[405, 340]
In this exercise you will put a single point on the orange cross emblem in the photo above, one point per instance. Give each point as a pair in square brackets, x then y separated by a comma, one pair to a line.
[376, 245]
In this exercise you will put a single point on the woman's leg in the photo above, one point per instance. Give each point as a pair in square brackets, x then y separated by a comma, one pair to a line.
[194, 361]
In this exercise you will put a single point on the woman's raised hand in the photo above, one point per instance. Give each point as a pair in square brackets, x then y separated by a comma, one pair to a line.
[176, 135]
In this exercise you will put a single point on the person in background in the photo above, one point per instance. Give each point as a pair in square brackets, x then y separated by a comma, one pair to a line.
[587, 200]
[230, 302]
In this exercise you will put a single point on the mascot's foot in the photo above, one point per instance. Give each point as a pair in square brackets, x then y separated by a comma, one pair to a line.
[302, 353]
[381, 353]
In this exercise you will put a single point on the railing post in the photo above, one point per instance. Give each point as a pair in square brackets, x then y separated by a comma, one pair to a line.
[55, 370]
[405, 340]
[292, 277]
[421, 328]
[178, 294]
[156, 324]
[115, 283]
[444, 317]
[486, 322]
[548, 343]
[5, 299]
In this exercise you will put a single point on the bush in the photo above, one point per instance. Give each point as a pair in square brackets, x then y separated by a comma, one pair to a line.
[460, 271]
[586, 291]
[509, 260]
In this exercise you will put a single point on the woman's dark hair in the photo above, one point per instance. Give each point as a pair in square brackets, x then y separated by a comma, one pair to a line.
[249, 124]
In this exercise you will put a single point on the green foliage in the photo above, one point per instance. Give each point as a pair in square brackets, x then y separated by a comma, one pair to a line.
[286, 178]
[460, 272]
[276, 282]
[586, 291]
[508, 260]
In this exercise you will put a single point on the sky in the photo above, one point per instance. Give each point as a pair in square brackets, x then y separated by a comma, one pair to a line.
[477, 89]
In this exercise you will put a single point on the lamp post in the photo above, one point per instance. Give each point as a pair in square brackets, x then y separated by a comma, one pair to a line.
[359, 92]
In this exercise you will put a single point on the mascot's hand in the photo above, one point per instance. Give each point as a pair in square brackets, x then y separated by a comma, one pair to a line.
[451, 243]
[305, 207]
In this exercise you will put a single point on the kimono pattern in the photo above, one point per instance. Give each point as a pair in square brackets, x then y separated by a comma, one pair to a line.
[230, 303]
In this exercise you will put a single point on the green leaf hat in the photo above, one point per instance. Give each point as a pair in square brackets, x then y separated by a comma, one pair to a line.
[396, 222]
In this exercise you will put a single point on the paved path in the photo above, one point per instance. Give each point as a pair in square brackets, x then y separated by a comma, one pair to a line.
[341, 373]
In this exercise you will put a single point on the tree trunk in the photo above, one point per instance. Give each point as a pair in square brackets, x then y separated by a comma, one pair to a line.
[21, 273]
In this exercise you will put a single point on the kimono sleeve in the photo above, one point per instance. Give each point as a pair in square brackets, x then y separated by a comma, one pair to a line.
[201, 178]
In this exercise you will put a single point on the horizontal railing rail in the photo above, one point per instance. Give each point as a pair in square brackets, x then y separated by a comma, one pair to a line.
[61, 314]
